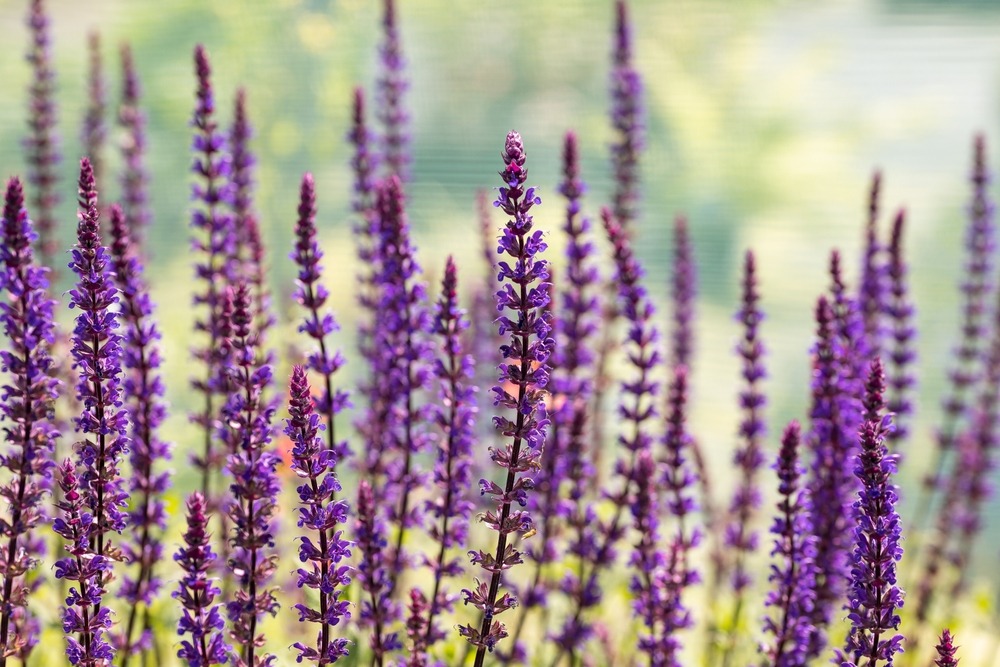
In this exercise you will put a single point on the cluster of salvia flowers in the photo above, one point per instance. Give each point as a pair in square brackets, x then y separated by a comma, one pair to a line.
[555, 558]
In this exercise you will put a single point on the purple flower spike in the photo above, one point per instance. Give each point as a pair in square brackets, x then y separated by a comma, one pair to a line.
[42, 143]
[875, 598]
[902, 354]
[749, 459]
[374, 577]
[872, 287]
[626, 121]
[792, 576]
[95, 129]
[524, 294]
[255, 485]
[26, 402]
[682, 296]
[648, 562]
[97, 355]
[456, 417]
[197, 592]
[946, 651]
[144, 391]
[135, 174]
[319, 324]
[215, 247]
[392, 84]
[319, 512]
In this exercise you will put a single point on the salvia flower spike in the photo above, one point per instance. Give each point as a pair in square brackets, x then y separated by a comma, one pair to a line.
[95, 131]
[323, 549]
[392, 85]
[793, 574]
[902, 354]
[874, 598]
[201, 617]
[374, 576]
[27, 404]
[144, 390]
[626, 121]
[521, 302]
[946, 650]
[872, 285]
[135, 174]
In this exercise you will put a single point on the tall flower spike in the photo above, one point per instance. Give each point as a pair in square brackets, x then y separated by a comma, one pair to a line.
[683, 287]
[626, 121]
[197, 592]
[902, 354]
[946, 650]
[872, 285]
[95, 129]
[875, 598]
[647, 562]
[42, 143]
[792, 576]
[97, 353]
[26, 403]
[323, 549]
[255, 487]
[319, 323]
[135, 174]
[392, 84]
[214, 248]
[455, 415]
[977, 286]
[749, 458]
[144, 390]
[374, 577]
[521, 302]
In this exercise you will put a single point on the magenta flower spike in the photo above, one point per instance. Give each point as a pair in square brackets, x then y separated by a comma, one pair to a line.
[27, 403]
[95, 130]
[135, 173]
[626, 121]
[521, 303]
[946, 650]
[42, 142]
[144, 392]
[394, 142]
[201, 617]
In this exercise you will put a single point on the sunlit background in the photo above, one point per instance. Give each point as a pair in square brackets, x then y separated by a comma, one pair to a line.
[765, 121]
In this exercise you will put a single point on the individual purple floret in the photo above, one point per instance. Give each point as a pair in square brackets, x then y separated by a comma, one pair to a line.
[26, 401]
[792, 576]
[255, 487]
[42, 143]
[85, 619]
[214, 247]
[144, 392]
[391, 112]
[872, 287]
[831, 483]
[626, 121]
[323, 549]
[521, 302]
[455, 415]
[946, 650]
[94, 132]
[202, 617]
[135, 174]
[374, 577]
[875, 598]
[899, 312]
[319, 324]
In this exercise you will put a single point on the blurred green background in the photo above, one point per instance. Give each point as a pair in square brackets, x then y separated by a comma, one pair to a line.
[765, 120]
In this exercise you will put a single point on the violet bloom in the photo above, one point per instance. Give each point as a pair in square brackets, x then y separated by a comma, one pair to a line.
[647, 562]
[875, 598]
[392, 84]
[792, 576]
[902, 353]
[42, 142]
[374, 577]
[683, 289]
[872, 287]
[525, 295]
[323, 549]
[197, 592]
[144, 390]
[135, 174]
[626, 121]
[255, 485]
[95, 130]
[946, 650]
[455, 415]
[26, 402]
[749, 458]
[319, 324]
[214, 269]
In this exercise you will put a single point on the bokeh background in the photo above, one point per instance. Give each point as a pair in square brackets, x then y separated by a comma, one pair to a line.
[765, 120]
